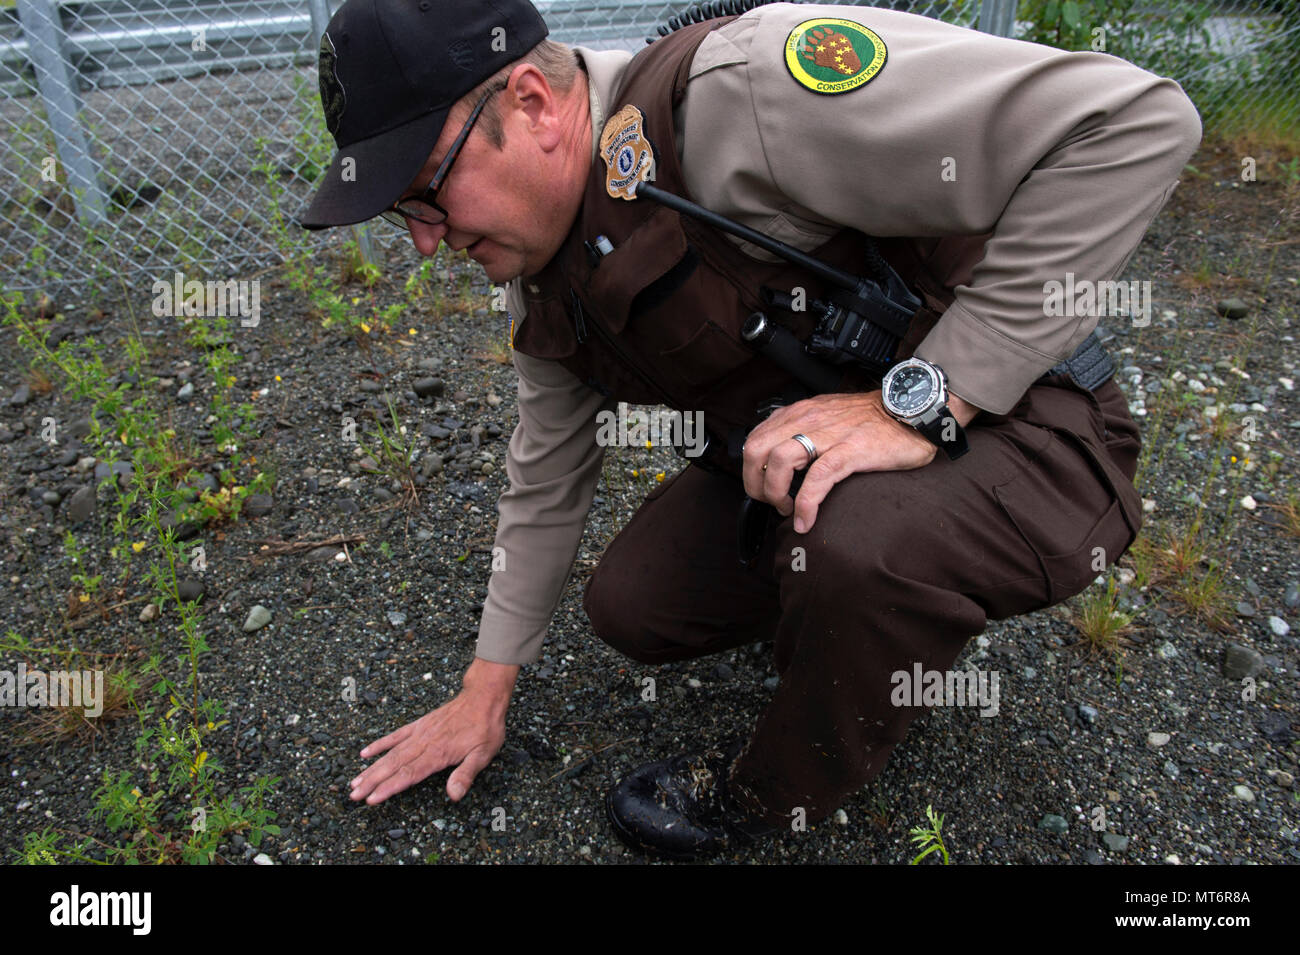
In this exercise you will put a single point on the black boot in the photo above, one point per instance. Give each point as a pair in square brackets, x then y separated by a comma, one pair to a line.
[679, 808]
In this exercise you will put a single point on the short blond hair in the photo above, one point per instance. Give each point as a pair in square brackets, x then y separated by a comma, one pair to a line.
[557, 62]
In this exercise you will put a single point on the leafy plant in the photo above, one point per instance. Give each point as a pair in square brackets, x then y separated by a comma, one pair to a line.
[173, 749]
[929, 839]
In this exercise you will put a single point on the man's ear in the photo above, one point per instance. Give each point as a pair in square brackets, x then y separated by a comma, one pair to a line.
[533, 105]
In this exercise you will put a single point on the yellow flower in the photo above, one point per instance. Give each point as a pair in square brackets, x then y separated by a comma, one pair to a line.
[365, 328]
[411, 331]
[355, 300]
[84, 599]
[1234, 459]
[635, 473]
[138, 546]
[659, 476]
[277, 378]
[649, 445]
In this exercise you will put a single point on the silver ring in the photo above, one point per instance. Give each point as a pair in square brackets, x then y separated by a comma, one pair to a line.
[807, 446]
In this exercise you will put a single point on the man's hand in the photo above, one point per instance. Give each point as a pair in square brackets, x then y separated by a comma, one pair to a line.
[468, 730]
[852, 433]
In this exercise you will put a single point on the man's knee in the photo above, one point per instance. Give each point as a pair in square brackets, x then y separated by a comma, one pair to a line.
[610, 601]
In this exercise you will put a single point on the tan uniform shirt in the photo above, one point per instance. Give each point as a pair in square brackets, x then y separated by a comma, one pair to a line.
[1065, 157]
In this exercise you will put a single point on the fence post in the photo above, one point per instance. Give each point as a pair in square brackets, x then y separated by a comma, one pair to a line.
[998, 17]
[320, 18]
[45, 40]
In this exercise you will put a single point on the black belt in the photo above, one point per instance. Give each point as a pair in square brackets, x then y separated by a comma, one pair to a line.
[1089, 366]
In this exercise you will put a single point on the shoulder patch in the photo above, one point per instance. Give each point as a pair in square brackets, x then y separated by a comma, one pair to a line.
[827, 55]
[629, 157]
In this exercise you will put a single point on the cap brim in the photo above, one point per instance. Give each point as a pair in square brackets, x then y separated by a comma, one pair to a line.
[381, 168]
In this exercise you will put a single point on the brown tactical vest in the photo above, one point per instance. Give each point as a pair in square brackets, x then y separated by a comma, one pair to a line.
[657, 320]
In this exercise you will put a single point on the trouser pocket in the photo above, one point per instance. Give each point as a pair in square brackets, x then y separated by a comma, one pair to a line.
[1072, 513]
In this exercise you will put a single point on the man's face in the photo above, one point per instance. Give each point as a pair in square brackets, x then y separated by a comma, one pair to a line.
[493, 199]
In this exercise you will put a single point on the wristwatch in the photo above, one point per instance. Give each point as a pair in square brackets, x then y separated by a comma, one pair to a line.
[915, 392]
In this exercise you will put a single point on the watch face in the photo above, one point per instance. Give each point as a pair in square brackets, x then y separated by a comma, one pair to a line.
[911, 390]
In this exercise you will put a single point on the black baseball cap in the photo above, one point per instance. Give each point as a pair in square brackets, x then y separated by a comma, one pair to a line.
[390, 71]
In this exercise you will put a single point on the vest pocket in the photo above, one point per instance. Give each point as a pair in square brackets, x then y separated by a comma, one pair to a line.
[708, 355]
[646, 268]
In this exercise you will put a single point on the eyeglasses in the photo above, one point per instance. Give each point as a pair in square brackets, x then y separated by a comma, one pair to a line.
[424, 209]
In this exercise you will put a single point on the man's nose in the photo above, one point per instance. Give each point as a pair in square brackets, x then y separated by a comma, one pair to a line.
[426, 237]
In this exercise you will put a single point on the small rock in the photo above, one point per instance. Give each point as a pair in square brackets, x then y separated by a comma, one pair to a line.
[81, 506]
[1244, 609]
[1240, 662]
[1167, 651]
[262, 859]
[1291, 599]
[1283, 778]
[1171, 769]
[1053, 823]
[1087, 713]
[257, 505]
[1248, 503]
[429, 387]
[1115, 842]
[841, 817]
[1232, 308]
[1243, 793]
[694, 684]
[150, 612]
[397, 618]
[187, 391]
[258, 618]
[1279, 626]
[1156, 740]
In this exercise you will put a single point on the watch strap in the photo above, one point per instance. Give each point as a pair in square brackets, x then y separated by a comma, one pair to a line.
[934, 429]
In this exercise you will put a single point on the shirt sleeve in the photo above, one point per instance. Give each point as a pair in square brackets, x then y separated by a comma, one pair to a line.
[554, 464]
[1064, 157]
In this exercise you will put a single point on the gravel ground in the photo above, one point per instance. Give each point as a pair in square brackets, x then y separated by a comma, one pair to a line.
[1185, 770]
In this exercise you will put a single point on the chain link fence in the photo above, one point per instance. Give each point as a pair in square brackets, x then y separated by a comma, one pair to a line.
[141, 137]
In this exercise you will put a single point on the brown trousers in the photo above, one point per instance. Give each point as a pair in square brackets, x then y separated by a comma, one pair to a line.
[901, 568]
